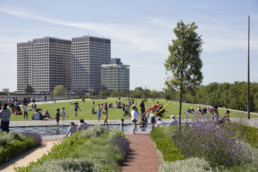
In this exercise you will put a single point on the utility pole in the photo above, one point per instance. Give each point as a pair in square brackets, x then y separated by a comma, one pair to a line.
[248, 73]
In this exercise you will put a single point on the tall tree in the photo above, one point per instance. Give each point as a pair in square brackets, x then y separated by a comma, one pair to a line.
[28, 89]
[59, 90]
[183, 66]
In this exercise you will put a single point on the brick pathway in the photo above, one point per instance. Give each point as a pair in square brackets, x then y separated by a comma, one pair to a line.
[142, 155]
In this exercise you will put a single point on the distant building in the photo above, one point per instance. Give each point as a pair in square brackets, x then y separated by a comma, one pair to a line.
[115, 76]
[44, 63]
[88, 54]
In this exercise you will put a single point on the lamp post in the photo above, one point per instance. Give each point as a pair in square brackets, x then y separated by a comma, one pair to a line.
[248, 73]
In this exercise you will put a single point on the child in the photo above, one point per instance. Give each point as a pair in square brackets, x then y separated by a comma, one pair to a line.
[63, 113]
[57, 116]
[122, 124]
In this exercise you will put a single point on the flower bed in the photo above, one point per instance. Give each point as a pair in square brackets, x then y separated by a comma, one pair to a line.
[95, 149]
[224, 147]
[13, 143]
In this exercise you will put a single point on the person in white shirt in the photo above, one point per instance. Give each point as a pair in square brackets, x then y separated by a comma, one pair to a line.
[71, 130]
[173, 121]
[160, 122]
[152, 118]
[82, 125]
[135, 114]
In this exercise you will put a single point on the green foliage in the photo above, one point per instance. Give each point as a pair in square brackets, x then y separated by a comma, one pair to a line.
[184, 63]
[230, 95]
[62, 165]
[163, 141]
[192, 164]
[93, 149]
[246, 132]
[94, 131]
[59, 90]
[13, 143]
[29, 89]
[117, 133]
[184, 60]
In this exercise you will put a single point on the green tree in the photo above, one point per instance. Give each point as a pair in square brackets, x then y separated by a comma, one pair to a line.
[59, 90]
[93, 92]
[115, 93]
[28, 89]
[184, 64]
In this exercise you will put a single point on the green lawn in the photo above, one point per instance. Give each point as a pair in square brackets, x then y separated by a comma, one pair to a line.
[86, 107]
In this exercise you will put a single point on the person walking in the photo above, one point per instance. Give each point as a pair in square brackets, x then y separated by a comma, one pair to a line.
[76, 107]
[25, 113]
[57, 116]
[63, 113]
[105, 116]
[142, 107]
[135, 114]
[5, 115]
[99, 112]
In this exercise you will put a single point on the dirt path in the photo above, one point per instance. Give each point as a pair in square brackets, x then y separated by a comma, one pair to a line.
[27, 157]
[142, 155]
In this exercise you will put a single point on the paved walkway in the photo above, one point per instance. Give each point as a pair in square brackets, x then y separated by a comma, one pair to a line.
[142, 155]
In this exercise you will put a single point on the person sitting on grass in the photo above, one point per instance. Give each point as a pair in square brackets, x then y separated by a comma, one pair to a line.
[37, 115]
[93, 111]
[46, 115]
[33, 107]
[71, 130]
[82, 125]
[159, 122]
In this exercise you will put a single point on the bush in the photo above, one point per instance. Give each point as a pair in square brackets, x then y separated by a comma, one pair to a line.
[13, 143]
[94, 131]
[192, 164]
[71, 165]
[245, 132]
[216, 144]
[94, 145]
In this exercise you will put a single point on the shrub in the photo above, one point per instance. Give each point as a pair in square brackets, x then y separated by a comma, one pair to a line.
[250, 134]
[116, 133]
[94, 131]
[94, 145]
[192, 164]
[71, 165]
[14, 143]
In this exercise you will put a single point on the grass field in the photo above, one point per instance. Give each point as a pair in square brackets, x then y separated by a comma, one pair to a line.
[85, 113]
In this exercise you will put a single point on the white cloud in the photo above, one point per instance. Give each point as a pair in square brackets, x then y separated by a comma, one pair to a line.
[138, 36]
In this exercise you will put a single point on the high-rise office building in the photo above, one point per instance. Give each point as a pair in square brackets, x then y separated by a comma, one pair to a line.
[88, 54]
[115, 76]
[24, 66]
[44, 63]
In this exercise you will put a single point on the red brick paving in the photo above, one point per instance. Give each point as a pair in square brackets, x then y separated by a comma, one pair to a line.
[142, 155]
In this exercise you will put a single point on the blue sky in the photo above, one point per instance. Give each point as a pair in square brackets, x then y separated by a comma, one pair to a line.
[140, 32]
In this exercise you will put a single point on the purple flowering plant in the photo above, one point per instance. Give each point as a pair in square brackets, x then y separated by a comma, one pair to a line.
[216, 143]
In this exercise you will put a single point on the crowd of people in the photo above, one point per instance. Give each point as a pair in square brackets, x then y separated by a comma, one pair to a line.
[153, 115]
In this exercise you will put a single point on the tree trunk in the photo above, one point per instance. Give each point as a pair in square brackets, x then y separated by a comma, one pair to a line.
[180, 107]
